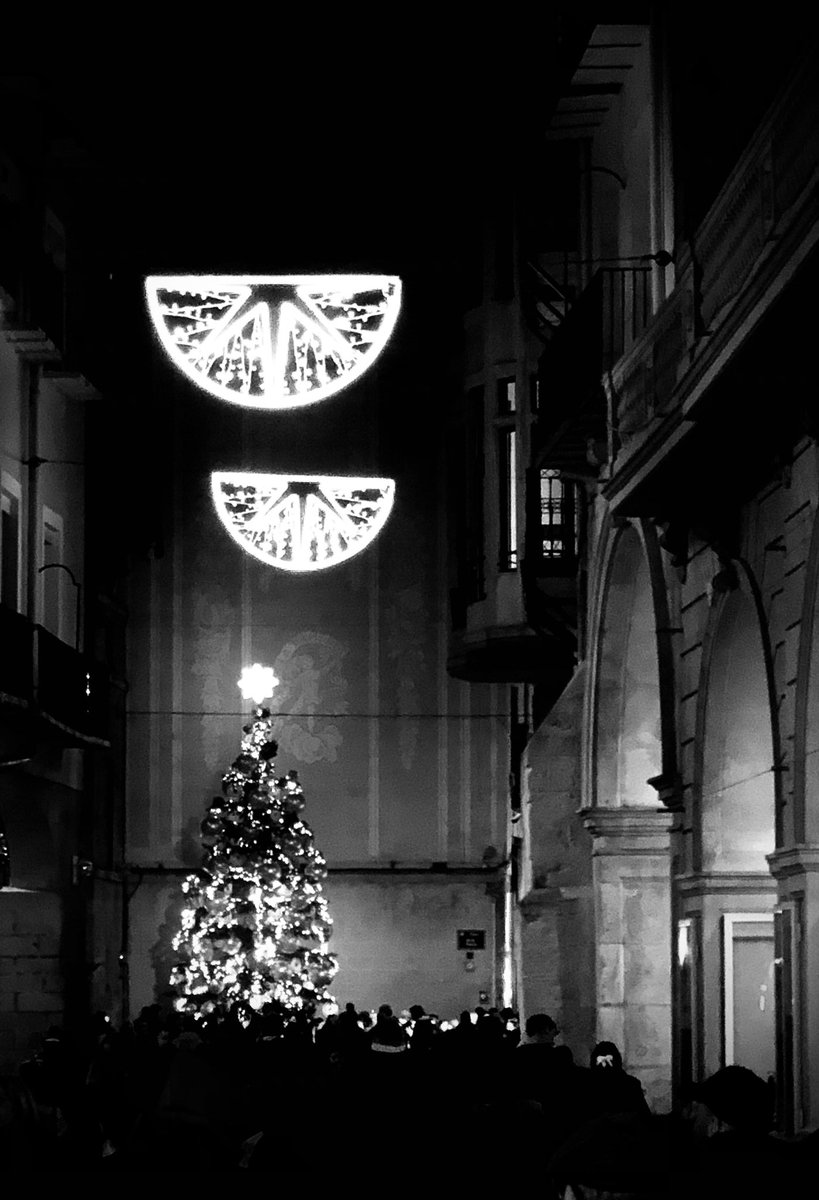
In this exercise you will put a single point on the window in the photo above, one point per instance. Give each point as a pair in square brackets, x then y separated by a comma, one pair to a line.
[507, 404]
[474, 549]
[559, 515]
[10, 543]
[507, 460]
[52, 582]
[507, 476]
[534, 392]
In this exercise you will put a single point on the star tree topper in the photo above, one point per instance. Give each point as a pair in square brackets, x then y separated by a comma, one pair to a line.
[257, 683]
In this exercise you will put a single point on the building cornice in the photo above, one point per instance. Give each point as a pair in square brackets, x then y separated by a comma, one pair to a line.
[629, 830]
[712, 883]
[795, 860]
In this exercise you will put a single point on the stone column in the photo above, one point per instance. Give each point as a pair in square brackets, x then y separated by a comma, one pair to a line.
[632, 902]
[796, 871]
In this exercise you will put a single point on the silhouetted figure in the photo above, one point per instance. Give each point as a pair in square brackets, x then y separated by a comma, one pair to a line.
[351, 1040]
[732, 1117]
[539, 1086]
[608, 1088]
[388, 1036]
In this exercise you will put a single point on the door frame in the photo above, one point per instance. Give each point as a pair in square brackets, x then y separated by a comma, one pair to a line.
[730, 920]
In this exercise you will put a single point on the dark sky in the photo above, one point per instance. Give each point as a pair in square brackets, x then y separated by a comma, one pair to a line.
[319, 145]
[292, 162]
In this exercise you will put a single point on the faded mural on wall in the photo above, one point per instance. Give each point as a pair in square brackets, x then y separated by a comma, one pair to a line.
[312, 690]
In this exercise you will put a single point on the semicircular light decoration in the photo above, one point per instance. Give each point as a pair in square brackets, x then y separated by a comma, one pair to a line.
[273, 341]
[302, 522]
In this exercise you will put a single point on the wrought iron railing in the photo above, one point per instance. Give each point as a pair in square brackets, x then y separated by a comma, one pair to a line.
[746, 237]
[51, 678]
[600, 327]
[545, 300]
[16, 654]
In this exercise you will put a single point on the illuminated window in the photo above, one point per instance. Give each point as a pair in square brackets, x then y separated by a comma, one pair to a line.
[10, 543]
[507, 478]
[51, 581]
[558, 518]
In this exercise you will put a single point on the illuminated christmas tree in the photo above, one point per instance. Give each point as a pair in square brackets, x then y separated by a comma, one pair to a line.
[255, 925]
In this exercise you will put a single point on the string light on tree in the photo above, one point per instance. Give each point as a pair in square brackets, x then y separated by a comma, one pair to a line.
[302, 522]
[273, 341]
[255, 925]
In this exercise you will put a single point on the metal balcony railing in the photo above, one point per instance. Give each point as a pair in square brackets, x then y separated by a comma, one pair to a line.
[545, 301]
[756, 229]
[52, 679]
[599, 328]
[16, 654]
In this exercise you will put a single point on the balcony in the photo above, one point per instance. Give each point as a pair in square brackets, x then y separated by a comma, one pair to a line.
[545, 301]
[680, 395]
[48, 691]
[500, 654]
[607, 318]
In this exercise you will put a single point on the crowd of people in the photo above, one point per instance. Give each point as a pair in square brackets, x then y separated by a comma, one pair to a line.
[404, 1092]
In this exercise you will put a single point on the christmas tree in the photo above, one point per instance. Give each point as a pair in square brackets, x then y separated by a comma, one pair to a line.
[255, 925]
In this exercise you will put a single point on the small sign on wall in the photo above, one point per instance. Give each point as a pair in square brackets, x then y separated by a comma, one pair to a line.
[471, 939]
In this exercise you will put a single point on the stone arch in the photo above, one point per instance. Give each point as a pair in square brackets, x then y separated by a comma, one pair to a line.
[805, 826]
[627, 735]
[736, 785]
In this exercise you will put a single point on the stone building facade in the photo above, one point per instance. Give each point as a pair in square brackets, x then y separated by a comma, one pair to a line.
[669, 793]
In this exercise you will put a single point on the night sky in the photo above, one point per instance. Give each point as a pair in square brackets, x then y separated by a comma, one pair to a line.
[384, 162]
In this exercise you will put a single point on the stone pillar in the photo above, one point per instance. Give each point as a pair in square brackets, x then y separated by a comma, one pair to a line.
[632, 901]
[540, 951]
[796, 871]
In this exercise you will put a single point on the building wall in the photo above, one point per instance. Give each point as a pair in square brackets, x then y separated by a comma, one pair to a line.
[395, 936]
[41, 781]
[696, 752]
[556, 900]
[399, 763]
[40, 815]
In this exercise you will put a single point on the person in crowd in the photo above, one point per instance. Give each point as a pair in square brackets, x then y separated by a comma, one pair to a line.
[105, 1088]
[388, 1036]
[608, 1088]
[543, 1082]
[462, 1037]
[730, 1116]
[351, 1040]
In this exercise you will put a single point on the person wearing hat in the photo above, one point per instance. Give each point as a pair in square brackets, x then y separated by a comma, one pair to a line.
[731, 1114]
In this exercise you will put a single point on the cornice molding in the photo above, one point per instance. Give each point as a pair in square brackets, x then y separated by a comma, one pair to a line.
[794, 860]
[717, 883]
[629, 830]
[32, 345]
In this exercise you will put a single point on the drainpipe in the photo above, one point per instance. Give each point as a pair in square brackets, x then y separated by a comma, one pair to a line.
[32, 463]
